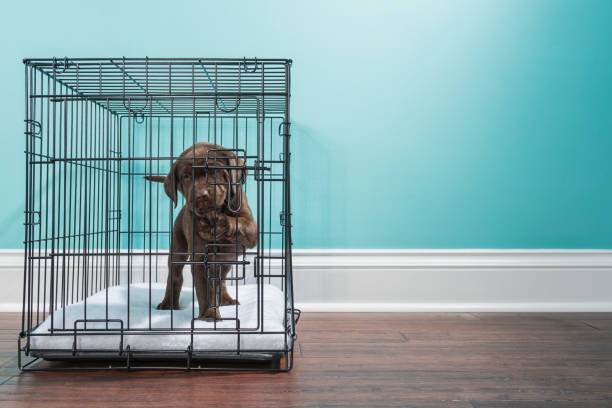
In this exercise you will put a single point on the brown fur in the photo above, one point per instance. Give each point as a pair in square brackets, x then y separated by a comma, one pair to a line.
[221, 215]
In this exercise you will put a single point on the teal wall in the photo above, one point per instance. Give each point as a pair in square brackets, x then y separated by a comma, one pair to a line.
[417, 124]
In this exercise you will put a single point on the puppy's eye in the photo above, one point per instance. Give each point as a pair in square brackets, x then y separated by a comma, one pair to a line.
[186, 177]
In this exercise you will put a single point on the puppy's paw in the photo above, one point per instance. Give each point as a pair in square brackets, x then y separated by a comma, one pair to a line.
[209, 314]
[229, 301]
[222, 227]
[167, 305]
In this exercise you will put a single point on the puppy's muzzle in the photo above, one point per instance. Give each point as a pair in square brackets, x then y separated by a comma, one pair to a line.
[202, 202]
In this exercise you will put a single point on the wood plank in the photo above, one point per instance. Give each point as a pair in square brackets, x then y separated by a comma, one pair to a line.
[501, 360]
[342, 335]
[601, 324]
[540, 404]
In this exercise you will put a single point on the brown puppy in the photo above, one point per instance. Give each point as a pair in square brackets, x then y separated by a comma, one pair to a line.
[216, 212]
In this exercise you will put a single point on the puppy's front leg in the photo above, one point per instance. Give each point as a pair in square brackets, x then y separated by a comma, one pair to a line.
[206, 296]
[174, 283]
[226, 298]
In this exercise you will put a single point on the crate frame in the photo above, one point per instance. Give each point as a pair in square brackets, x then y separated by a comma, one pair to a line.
[125, 93]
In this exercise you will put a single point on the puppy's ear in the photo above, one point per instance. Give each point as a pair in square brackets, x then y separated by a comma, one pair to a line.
[171, 183]
[237, 177]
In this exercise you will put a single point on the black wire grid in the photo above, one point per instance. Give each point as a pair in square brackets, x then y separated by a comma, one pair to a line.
[94, 128]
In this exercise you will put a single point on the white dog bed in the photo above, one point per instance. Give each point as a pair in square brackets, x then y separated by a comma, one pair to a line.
[273, 321]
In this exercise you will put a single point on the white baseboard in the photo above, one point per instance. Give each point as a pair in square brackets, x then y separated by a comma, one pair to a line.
[425, 280]
[455, 307]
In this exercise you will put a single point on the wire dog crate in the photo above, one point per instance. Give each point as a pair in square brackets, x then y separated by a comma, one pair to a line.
[99, 241]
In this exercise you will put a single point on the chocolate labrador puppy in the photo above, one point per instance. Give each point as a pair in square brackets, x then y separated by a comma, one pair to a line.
[215, 222]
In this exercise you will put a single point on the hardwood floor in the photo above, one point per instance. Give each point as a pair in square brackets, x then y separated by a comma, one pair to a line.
[485, 360]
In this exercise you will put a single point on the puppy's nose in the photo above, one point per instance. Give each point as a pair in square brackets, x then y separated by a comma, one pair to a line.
[202, 196]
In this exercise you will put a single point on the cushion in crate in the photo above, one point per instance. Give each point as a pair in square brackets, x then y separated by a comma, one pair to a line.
[141, 310]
